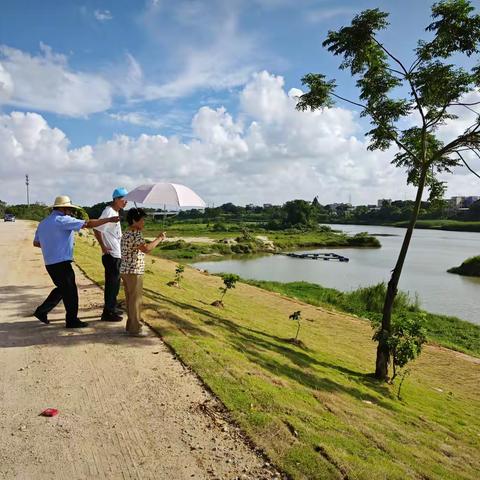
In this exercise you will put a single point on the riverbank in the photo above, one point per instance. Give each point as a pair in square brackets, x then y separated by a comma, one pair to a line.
[447, 331]
[316, 410]
[448, 225]
[207, 241]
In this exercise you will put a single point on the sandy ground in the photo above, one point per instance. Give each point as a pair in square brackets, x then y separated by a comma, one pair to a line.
[127, 408]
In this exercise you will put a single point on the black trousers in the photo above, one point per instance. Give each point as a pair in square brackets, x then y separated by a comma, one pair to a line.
[112, 282]
[63, 277]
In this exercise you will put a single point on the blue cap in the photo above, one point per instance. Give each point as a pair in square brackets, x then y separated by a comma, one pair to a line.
[119, 193]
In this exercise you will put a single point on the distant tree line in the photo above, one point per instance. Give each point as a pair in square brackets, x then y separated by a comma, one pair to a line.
[302, 213]
[292, 214]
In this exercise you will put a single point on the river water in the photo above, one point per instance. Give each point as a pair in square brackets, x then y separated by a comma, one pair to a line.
[431, 253]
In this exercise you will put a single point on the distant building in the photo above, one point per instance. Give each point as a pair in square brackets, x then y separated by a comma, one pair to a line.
[267, 205]
[461, 203]
[456, 202]
[339, 207]
[384, 201]
[469, 200]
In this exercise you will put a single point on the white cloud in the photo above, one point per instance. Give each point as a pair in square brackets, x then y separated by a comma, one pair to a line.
[6, 85]
[138, 118]
[206, 48]
[269, 152]
[102, 15]
[45, 82]
[329, 13]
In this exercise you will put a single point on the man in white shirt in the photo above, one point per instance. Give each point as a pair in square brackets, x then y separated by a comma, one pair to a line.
[109, 237]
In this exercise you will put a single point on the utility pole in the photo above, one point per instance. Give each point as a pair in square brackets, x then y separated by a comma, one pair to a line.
[27, 183]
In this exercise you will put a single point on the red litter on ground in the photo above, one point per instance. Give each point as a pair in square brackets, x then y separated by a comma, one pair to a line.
[49, 412]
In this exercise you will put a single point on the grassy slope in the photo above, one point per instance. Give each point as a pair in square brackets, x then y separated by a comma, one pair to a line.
[315, 410]
[447, 331]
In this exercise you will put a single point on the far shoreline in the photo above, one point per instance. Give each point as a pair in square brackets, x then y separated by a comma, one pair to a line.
[445, 225]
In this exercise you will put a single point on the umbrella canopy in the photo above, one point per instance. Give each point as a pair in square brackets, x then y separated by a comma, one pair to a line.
[171, 194]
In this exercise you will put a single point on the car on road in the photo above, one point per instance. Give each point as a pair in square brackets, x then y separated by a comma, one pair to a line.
[9, 217]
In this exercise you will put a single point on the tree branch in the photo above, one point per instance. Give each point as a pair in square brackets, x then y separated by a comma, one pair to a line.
[406, 75]
[392, 135]
[465, 104]
[471, 109]
[434, 121]
[364, 107]
[460, 141]
[466, 164]
[415, 64]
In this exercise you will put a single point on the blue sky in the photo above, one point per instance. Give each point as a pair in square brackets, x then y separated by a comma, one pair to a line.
[113, 77]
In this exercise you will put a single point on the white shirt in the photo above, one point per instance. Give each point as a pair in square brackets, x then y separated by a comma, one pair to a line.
[111, 233]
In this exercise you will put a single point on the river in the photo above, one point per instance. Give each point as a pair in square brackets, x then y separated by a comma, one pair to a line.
[431, 253]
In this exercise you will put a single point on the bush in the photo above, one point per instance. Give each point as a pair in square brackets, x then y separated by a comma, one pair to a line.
[405, 339]
[371, 299]
[177, 245]
[469, 268]
[220, 227]
[363, 239]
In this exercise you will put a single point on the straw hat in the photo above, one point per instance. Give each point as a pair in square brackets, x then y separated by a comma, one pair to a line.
[63, 201]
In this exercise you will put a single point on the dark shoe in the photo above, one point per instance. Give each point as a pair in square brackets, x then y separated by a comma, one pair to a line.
[42, 317]
[111, 317]
[77, 324]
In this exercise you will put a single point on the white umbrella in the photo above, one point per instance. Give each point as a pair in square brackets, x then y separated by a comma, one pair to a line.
[171, 194]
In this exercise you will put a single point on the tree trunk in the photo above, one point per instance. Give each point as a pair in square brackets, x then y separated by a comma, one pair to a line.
[383, 351]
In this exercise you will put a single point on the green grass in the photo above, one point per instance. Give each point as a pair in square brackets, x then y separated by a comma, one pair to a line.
[283, 240]
[316, 410]
[470, 267]
[367, 302]
[453, 225]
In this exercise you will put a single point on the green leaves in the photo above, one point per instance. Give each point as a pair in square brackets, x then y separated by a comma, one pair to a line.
[405, 338]
[296, 316]
[439, 85]
[433, 85]
[455, 30]
[355, 43]
[320, 94]
[229, 280]
[411, 159]
[179, 269]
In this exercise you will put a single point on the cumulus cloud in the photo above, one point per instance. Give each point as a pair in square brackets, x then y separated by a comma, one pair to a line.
[267, 153]
[45, 82]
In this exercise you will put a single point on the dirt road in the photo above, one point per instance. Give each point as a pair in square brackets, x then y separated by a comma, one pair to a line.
[127, 408]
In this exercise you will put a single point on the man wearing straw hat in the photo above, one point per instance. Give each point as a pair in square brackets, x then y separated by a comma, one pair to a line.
[55, 236]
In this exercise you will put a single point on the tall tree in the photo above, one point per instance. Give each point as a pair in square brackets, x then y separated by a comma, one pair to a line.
[431, 84]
